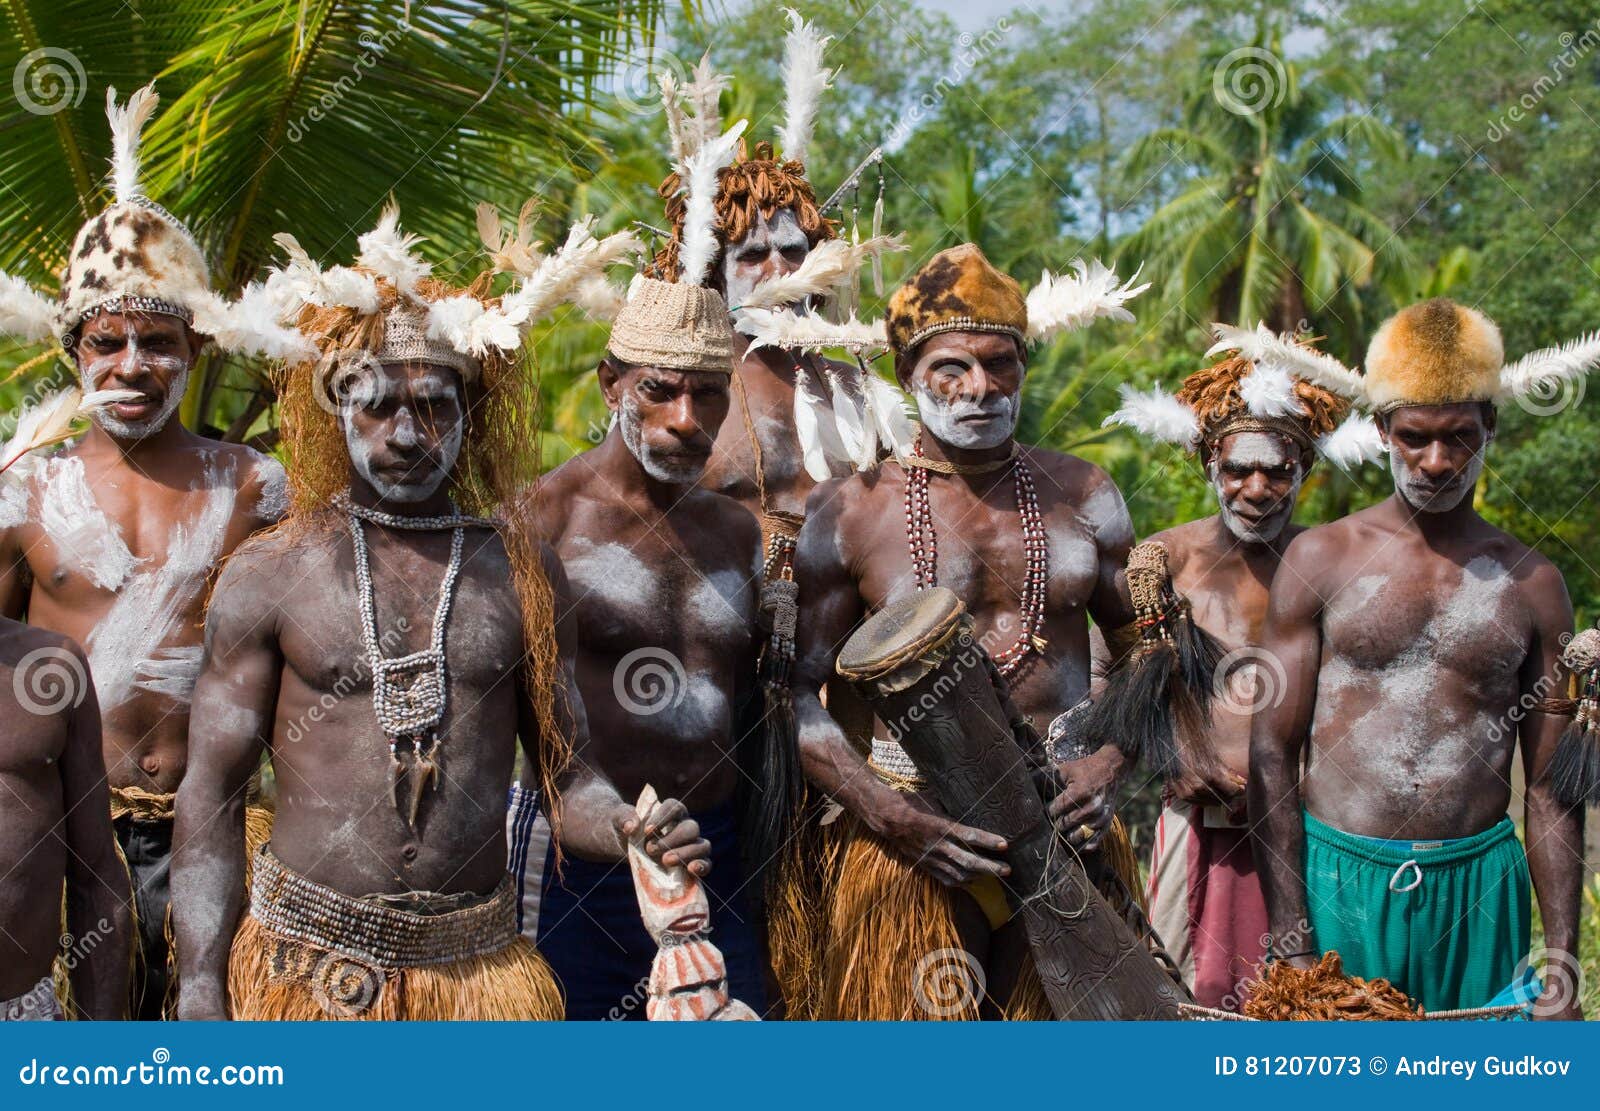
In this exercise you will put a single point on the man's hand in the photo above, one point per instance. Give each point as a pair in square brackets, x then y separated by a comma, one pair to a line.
[952, 853]
[1220, 788]
[1082, 810]
[671, 837]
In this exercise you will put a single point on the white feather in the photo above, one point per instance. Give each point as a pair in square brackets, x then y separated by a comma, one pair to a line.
[600, 298]
[127, 122]
[1315, 367]
[302, 282]
[558, 277]
[1546, 370]
[249, 326]
[858, 433]
[804, 79]
[1354, 442]
[677, 121]
[783, 329]
[703, 95]
[819, 437]
[890, 412]
[699, 245]
[1059, 303]
[50, 421]
[1156, 415]
[24, 311]
[451, 319]
[829, 264]
[386, 251]
[1268, 391]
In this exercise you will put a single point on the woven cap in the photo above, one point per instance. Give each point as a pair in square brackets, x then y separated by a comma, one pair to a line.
[405, 340]
[673, 326]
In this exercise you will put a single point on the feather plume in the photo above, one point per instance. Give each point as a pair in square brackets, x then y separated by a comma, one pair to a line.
[1263, 345]
[829, 264]
[1268, 391]
[386, 251]
[302, 282]
[782, 328]
[557, 278]
[1156, 415]
[819, 435]
[127, 122]
[804, 80]
[1060, 303]
[512, 253]
[889, 412]
[677, 121]
[1353, 443]
[1542, 372]
[699, 245]
[51, 420]
[600, 298]
[858, 433]
[24, 311]
[703, 95]
[251, 325]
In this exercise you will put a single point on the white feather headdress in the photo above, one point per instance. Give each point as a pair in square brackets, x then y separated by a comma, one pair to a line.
[1543, 373]
[699, 245]
[804, 79]
[1060, 303]
[829, 265]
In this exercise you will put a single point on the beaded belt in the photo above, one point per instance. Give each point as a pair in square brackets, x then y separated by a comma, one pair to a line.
[894, 767]
[381, 936]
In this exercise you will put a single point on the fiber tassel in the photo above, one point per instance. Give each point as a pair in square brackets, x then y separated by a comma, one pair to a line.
[769, 749]
[877, 232]
[1163, 684]
[1574, 771]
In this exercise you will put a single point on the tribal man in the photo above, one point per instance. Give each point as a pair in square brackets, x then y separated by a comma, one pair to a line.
[1419, 644]
[383, 893]
[1031, 541]
[665, 583]
[1257, 431]
[112, 541]
[55, 821]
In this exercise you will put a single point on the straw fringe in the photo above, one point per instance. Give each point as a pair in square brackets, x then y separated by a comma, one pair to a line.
[797, 917]
[512, 985]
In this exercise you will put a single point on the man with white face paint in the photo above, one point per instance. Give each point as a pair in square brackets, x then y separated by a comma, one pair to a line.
[111, 541]
[665, 581]
[1418, 645]
[1032, 542]
[1256, 432]
[392, 646]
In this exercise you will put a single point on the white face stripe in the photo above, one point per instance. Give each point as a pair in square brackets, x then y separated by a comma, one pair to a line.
[781, 233]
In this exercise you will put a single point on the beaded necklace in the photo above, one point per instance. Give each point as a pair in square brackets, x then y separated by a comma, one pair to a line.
[409, 693]
[924, 544]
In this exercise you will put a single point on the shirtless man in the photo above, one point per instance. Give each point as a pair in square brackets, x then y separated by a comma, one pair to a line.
[978, 490]
[1419, 644]
[665, 579]
[384, 891]
[1205, 898]
[112, 542]
[55, 828]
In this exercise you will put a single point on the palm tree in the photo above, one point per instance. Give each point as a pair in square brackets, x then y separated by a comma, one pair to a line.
[1268, 222]
[303, 116]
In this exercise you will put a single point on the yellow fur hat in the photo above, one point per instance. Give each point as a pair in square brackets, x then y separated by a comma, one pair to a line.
[958, 290]
[1434, 353]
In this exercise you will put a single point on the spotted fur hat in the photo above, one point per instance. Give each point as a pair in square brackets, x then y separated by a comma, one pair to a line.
[136, 256]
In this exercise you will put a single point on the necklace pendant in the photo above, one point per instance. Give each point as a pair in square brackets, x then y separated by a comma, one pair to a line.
[1038, 642]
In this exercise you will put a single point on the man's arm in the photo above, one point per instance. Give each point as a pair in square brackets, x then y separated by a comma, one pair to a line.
[13, 571]
[229, 725]
[98, 895]
[1087, 802]
[595, 821]
[830, 608]
[1278, 736]
[1554, 832]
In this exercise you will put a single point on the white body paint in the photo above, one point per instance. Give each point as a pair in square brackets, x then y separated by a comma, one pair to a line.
[422, 487]
[1262, 451]
[273, 501]
[1413, 488]
[85, 537]
[668, 469]
[950, 419]
[779, 234]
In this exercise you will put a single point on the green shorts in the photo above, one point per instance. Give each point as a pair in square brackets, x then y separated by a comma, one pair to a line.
[1445, 921]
